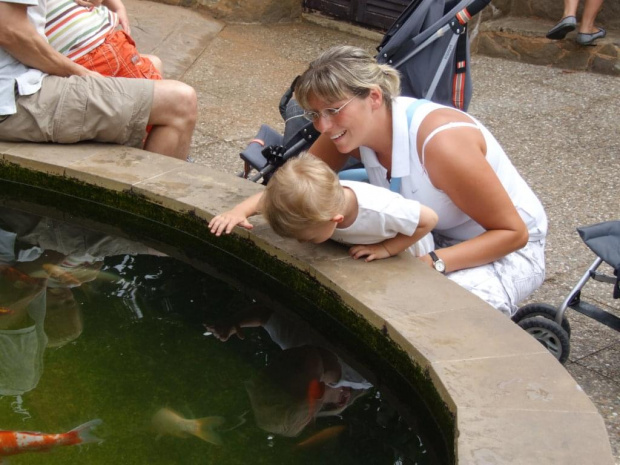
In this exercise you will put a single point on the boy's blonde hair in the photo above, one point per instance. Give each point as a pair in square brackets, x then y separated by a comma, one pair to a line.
[304, 192]
[344, 71]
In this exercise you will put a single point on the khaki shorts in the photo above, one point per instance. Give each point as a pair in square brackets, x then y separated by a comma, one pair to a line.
[74, 109]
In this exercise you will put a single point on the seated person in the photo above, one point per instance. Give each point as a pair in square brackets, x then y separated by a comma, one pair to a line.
[305, 200]
[89, 37]
[46, 97]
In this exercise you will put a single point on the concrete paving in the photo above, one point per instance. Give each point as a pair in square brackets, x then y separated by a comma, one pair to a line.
[560, 128]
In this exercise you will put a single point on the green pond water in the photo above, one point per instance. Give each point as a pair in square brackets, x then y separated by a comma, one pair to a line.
[95, 327]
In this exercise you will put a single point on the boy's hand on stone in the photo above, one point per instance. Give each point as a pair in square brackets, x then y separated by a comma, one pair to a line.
[225, 222]
[370, 251]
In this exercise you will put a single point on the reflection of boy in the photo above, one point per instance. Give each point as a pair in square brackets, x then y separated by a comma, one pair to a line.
[88, 36]
[306, 380]
[305, 200]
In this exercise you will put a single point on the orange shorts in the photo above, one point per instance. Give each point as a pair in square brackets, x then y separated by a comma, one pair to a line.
[118, 57]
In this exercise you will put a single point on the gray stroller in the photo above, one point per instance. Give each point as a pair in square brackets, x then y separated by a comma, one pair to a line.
[428, 44]
[548, 324]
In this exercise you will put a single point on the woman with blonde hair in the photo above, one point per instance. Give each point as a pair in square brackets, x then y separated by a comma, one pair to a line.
[491, 232]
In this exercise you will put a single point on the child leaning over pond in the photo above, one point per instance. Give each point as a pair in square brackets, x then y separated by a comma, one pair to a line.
[305, 200]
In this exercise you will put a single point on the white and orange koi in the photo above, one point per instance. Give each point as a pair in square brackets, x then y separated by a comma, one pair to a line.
[17, 442]
[166, 421]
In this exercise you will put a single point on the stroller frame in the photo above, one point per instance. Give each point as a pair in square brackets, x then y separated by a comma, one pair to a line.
[549, 324]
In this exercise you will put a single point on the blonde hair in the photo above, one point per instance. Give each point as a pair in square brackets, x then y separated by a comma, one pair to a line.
[344, 71]
[304, 192]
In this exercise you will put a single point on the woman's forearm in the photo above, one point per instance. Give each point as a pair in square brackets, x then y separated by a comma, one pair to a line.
[485, 248]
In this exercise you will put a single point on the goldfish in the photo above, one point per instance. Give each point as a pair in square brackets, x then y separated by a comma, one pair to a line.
[17, 276]
[322, 436]
[56, 272]
[17, 442]
[166, 421]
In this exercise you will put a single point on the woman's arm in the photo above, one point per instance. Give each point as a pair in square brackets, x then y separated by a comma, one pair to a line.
[118, 7]
[455, 160]
[325, 149]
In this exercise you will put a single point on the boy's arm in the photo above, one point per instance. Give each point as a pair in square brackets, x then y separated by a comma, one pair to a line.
[400, 242]
[225, 222]
[20, 38]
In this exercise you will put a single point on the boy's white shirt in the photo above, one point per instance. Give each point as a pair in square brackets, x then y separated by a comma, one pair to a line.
[382, 214]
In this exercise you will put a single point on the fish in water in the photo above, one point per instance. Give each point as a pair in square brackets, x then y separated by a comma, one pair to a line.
[5, 311]
[322, 436]
[56, 272]
[17, 442]
[17, 276]
[166, 421]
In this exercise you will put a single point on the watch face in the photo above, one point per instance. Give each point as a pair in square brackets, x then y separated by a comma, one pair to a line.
[440, 266]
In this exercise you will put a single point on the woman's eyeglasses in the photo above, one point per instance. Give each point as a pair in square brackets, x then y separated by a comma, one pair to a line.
[314, 116]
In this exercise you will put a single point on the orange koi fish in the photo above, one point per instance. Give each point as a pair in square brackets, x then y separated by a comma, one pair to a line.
[322, 436]
[56, 272]
[16, 442]
[5, 311]
[15, 275]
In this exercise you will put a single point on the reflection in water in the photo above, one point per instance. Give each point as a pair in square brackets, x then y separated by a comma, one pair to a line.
[304, 381]
[123, 329]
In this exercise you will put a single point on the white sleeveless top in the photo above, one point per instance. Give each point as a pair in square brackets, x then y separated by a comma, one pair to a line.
[415, 183]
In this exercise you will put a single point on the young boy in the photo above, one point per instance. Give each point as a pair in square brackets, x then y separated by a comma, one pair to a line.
[305, 200]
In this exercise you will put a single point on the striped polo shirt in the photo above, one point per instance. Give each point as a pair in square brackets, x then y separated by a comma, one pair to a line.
[74, 30]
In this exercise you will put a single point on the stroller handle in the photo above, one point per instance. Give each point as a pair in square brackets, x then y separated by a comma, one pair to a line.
[472, 10]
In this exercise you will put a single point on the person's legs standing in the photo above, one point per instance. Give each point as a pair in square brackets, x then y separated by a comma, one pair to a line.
[590, 11]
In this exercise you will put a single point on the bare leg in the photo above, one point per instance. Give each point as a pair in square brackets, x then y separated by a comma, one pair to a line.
[590, 11]
[173, 117]
[570, 8]
[156, 62]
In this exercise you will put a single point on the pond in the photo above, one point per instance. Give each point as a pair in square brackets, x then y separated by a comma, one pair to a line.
[131, 343]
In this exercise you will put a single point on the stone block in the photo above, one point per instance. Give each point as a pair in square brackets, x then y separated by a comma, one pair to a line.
[604, 65]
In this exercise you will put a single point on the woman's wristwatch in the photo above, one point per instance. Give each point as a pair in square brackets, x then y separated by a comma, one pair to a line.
[438, 263]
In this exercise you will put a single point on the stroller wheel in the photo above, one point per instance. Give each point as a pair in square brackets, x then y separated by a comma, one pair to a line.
[549, 334]
[542, 310]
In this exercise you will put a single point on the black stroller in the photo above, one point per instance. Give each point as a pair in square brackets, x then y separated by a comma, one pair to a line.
[549, 324]
[428, 44]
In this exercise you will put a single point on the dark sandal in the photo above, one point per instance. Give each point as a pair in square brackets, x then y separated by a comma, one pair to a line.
[560, 30]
